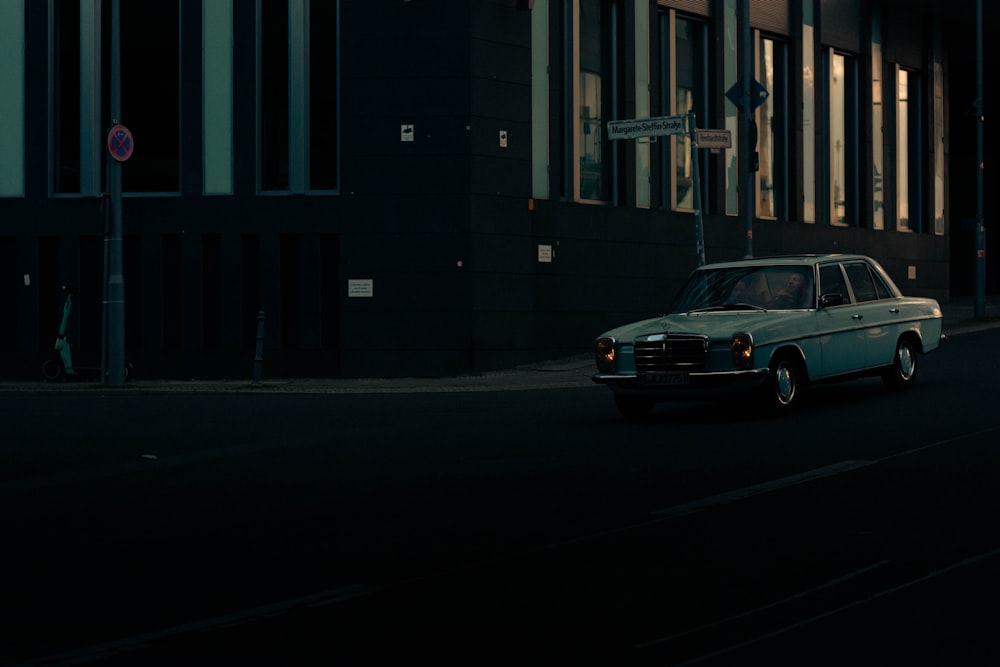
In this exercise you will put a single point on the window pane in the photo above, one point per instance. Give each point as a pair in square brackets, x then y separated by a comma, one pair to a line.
[12, 100]
[771, 143]
[861, 282]
[808, 115]
[273, 60]
[831, 281]
[878, 168]
[66, 96]
[323, 87]
[689, 88]
[150, 94]
[838, 139]
[902, 152]
[592, 113]
[217, 95]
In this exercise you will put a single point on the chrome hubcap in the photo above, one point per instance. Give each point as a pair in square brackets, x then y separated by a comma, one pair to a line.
[906, 365]
[785, 382]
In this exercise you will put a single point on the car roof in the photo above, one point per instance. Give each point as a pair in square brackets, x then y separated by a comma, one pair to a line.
[786, 260]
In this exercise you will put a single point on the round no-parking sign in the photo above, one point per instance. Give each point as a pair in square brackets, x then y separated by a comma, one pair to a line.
[120, 143]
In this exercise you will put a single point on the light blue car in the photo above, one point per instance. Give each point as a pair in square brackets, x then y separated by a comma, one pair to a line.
[770, 326]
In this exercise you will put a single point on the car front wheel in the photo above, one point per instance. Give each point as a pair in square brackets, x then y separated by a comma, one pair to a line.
[782, 387]
[903, 371]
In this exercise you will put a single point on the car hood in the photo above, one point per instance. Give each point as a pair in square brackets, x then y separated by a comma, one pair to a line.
[716, 325]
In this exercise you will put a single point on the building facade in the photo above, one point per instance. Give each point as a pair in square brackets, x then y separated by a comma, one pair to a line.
[427, 187]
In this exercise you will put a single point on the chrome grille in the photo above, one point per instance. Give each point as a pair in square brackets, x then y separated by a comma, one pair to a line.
[671, 353]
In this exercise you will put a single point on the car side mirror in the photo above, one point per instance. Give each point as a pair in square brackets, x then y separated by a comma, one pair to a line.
[831, 299]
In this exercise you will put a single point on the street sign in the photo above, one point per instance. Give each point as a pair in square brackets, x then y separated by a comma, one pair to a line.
[757, 94]
[714, 138]
[646, 127]
[120, 143]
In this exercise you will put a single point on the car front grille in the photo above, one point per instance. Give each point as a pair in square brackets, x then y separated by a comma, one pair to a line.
[671, 353]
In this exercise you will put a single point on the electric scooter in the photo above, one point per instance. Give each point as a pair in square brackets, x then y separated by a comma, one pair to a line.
[60, 364]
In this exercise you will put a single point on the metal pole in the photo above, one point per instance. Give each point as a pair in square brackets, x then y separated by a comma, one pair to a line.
[745, 147]
[980, 306]
[258, 359]
[116, 278]
[699, 228]
[105, 235]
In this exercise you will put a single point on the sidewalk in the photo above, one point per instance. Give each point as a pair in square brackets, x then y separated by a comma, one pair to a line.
[959, 318]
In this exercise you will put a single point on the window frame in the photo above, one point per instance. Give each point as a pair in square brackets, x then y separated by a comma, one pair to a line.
[607, 96]
[835, 166]
[774, 135]
[911, 169]
[295, 121]
[679, 147]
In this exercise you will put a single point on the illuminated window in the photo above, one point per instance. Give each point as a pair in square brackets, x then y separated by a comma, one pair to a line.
[909, 165]
[772, 141]
[878, 163]
[593, 88]
[842, 148]
[684, 68]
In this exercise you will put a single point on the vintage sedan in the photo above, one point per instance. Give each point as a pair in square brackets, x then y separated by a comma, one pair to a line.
[769, 327]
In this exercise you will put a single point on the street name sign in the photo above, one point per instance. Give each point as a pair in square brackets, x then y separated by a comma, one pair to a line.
[714, 138]
[646, 127]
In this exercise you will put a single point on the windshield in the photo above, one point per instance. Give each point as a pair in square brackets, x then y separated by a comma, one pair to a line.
[747, 288]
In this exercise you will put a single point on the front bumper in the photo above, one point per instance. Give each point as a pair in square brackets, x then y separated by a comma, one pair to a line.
[672, 385]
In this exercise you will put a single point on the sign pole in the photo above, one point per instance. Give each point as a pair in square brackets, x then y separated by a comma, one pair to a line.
[745, 147]
[980, 305]
[116, 279]
[696, 183]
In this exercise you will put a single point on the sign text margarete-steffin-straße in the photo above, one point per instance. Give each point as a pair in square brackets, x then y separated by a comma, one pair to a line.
[646, 127]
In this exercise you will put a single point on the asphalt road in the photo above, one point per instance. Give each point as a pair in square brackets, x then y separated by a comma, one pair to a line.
[529, 526]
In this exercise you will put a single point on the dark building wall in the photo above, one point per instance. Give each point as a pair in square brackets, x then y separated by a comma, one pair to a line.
[444, 226]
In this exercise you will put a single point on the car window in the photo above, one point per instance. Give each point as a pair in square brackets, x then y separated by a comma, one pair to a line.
[861, 282]
[881, 289]
[788, 288]
[831, 281]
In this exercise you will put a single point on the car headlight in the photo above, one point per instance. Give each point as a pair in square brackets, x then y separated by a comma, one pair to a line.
[741, 347]
[604, 354]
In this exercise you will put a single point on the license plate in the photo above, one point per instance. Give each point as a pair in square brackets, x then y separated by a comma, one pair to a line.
[664, 379]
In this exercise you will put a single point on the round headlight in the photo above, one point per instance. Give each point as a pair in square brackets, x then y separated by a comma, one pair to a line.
[604, 354]
[741, 346]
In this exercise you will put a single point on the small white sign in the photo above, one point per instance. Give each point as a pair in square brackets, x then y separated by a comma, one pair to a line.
[27, 280]
[406, 132]
[911, 272]
[361, 288]
[545, 254]
[714, 138]
[503, 138]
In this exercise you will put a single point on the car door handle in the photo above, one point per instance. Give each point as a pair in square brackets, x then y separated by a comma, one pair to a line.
[894, 311]
[859, 316]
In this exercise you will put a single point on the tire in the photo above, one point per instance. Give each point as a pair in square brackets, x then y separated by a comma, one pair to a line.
[903, 372]
[634, 407]
[784, 381]
[52, 369]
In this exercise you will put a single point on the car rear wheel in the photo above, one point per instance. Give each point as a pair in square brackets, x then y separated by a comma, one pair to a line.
[782, 387]
[903, 372]
[634, 407]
